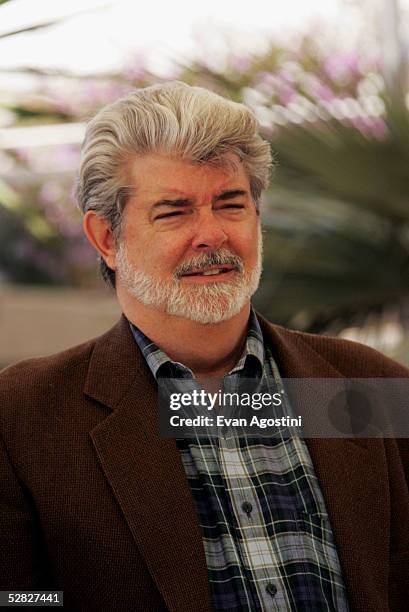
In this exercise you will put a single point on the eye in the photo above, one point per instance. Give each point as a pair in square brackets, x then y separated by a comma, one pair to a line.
[174, 213]
[232, 206]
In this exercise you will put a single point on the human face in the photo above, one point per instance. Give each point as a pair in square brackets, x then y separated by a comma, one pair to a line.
[191, 239]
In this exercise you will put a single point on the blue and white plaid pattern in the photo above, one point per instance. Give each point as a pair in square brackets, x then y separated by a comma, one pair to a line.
[266, 534]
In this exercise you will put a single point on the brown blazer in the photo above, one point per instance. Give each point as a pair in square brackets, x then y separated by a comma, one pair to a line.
[93, 502]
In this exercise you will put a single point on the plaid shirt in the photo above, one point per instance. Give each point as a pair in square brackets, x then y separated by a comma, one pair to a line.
[267, 538]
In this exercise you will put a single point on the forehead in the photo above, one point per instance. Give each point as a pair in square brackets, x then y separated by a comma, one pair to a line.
[157, 175]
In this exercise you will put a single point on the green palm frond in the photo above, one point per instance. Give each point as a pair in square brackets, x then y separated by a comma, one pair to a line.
[338, 209]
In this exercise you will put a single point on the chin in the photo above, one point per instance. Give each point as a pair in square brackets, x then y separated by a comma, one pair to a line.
[208, 311]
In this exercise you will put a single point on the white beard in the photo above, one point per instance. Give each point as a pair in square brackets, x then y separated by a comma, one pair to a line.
[203, 303]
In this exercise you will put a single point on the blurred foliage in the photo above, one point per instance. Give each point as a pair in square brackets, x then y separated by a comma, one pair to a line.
[336, 216]
[42, 24]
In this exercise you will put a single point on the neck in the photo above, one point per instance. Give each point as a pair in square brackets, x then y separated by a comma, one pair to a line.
[209, 350]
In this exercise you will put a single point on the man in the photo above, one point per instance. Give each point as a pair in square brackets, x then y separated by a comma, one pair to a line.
[94, 502]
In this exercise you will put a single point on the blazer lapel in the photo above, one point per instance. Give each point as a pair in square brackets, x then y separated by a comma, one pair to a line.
[352, 476]
[146, 473]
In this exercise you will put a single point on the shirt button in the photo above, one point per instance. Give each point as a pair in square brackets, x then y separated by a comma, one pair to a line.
[271, 589]
[247, 507]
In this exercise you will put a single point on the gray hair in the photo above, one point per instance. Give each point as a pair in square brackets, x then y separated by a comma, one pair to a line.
[189, 122]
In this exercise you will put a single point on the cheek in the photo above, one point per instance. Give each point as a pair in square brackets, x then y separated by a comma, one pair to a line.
[245, 242]
[161, 254]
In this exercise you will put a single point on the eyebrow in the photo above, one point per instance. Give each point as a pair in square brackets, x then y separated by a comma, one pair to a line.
[231, 194]
[183, 202]
[179, 202]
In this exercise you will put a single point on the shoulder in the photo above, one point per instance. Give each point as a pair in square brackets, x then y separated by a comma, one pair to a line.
[356, 359]
[45, 366]
[27, 381]
[352, 359]
[353, 356]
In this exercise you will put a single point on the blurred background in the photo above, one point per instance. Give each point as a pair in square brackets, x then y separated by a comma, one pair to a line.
[328, 81]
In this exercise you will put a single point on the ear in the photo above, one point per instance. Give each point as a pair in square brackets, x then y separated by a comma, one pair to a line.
[99, 233]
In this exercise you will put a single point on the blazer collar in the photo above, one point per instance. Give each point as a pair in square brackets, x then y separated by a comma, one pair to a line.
[147, 476]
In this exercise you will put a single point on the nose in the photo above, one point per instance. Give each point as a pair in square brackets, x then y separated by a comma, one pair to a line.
[209, 234]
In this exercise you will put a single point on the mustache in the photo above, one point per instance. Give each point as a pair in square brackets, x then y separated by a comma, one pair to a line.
[218, 258]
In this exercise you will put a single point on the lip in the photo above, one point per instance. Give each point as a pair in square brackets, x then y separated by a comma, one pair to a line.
[196, 275]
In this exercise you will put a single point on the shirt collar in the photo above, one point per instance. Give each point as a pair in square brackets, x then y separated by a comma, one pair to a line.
[251, 361]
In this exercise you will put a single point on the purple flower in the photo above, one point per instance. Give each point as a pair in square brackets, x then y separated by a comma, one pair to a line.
[341, 67]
